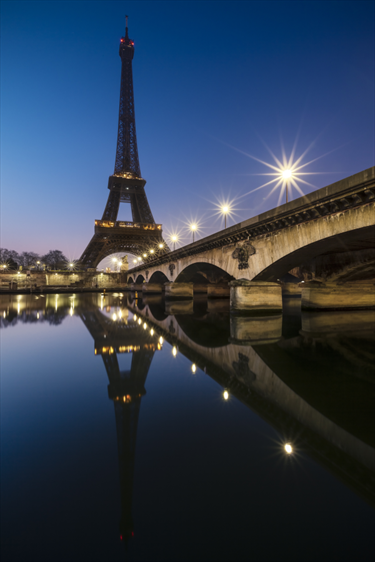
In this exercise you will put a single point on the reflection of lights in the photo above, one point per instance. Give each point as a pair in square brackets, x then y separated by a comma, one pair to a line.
[288, 448]
[225, 395]
[139, 321]
[120, 313]
[174, 351]
[114, 317]
[161, 340]
[152, 331]
[194, 368]
[145, 326]
[71, 311]
[37, 315]
[135, 317]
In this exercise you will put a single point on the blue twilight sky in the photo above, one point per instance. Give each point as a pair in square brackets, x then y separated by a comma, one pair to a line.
[214, 83]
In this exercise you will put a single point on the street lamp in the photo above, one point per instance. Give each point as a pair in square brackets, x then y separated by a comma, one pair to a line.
[286, 175]
[225, 210]
[193, 228]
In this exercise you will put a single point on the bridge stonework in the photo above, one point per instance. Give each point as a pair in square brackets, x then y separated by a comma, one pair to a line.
[332, 221]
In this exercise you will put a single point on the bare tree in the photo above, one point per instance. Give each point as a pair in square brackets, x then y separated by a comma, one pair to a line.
[55, 259]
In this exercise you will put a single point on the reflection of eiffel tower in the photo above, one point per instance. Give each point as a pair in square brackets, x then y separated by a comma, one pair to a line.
[126, 389]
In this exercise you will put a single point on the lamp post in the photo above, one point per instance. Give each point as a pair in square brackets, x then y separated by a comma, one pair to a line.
[286, 175]
[193, 228]
[225, 211]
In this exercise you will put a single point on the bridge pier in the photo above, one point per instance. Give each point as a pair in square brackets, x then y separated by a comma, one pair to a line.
[255, 330]
[199, 288]
[179, 291]
[216, 291]
[255, 297]
[150, 288]
[291, 289]
[331, 296]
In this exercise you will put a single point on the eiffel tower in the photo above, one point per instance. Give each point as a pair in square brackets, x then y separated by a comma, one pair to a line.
[126, 185]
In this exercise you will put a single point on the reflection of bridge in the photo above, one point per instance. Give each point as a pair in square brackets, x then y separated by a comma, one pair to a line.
[313, 410]
[328, 233]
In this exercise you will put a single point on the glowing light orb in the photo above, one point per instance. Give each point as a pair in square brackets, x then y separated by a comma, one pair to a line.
[152, 331]
[174, 351]
[161, 340]
[287, 174]
[225, 395]
[194, 368]
[288, 448]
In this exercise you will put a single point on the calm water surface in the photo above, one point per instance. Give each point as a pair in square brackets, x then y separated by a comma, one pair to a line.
[139, 430]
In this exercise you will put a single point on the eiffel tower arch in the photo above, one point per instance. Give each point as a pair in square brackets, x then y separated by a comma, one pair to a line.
[126, 185]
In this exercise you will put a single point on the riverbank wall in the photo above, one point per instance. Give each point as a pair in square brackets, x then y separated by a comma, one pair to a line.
[50, 281]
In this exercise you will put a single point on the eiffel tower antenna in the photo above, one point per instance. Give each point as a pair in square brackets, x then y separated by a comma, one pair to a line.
[126, 185]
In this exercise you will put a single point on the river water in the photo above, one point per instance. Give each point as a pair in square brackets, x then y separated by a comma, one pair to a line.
[140, 430]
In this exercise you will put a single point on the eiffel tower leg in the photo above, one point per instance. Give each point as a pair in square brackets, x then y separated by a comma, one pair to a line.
[112, 207]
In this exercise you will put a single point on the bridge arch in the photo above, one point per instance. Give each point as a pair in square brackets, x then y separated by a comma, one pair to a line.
[203, 273]
[323, 255]
[130, 280]
[140, 279]
[158, 277]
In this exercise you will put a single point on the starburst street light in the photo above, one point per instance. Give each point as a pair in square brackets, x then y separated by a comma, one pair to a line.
[288, 172]
[225, 209]
[174, 239]
[286, 175]
[193, 228]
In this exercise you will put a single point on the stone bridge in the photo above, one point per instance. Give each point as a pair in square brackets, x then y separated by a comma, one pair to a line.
[326, 237]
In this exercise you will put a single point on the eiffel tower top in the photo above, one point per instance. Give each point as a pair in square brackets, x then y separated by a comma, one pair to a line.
[127, 161]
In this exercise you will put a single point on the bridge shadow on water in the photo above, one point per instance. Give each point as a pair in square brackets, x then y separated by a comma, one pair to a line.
[310, 375]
